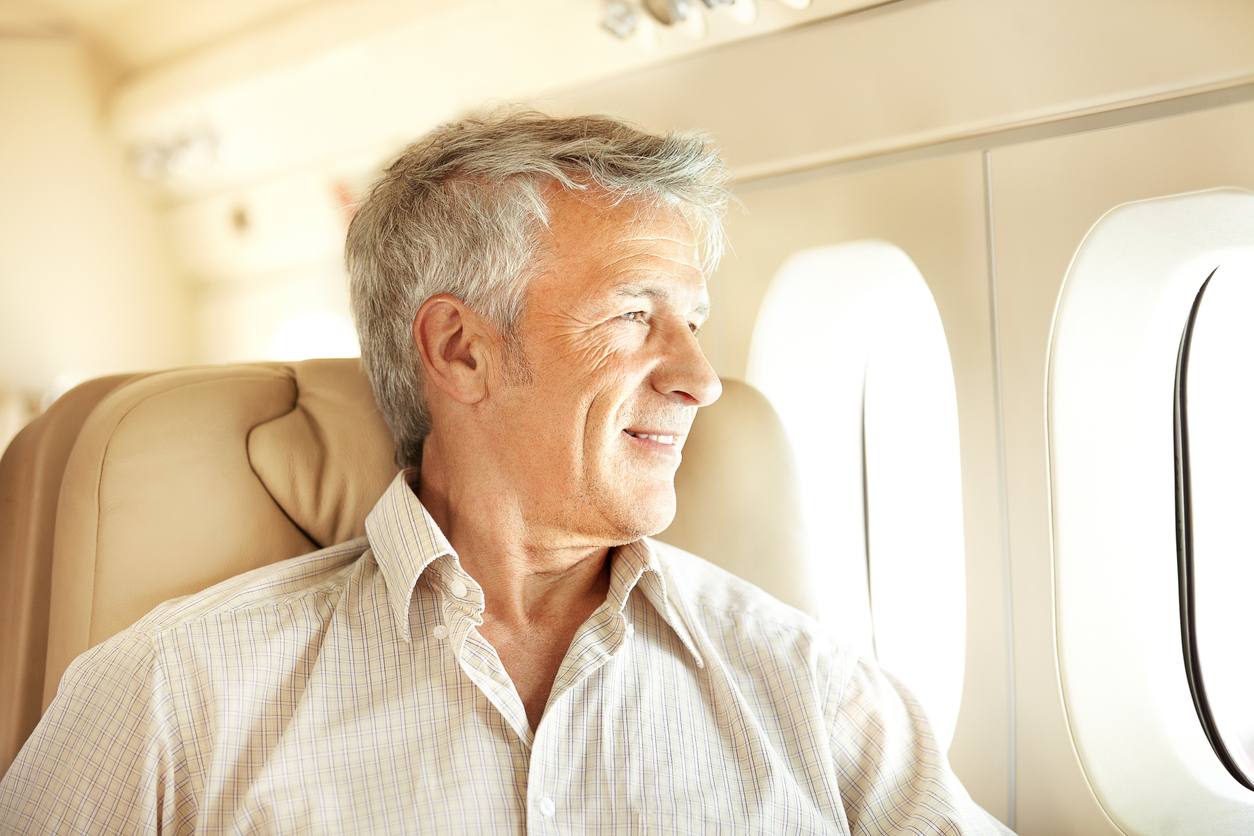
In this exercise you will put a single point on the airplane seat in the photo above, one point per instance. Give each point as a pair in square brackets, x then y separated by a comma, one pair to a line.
[30, 481]
[134, 489]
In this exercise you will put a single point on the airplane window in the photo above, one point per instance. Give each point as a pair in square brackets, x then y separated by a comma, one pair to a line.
[1215, 457]
[1152, 564]
[850, 349]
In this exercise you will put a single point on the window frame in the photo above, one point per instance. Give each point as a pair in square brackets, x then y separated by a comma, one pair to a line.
[1111, 445]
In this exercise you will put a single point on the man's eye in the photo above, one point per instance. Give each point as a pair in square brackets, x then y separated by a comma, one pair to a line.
[633, 316]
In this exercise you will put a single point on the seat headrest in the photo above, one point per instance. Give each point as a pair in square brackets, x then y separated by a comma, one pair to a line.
[328, 459]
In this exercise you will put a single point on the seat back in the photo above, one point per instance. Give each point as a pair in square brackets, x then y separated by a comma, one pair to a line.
[136, 489]
[30, 482]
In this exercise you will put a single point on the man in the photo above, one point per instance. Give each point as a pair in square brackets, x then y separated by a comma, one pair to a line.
[508, 652]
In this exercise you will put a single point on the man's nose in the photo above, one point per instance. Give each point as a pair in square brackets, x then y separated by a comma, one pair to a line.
[685, 371]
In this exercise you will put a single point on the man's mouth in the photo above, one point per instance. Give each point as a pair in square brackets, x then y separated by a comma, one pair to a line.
[661, 439]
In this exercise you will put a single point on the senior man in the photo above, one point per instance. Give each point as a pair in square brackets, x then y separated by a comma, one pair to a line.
[508, 651]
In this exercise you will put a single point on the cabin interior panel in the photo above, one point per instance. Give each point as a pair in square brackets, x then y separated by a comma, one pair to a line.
[1045, 197]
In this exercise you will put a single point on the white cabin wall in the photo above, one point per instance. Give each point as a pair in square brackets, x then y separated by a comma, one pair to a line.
[87, 286]
[1045, 197]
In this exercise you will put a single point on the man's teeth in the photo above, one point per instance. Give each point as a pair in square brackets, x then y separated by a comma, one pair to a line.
[661, 439]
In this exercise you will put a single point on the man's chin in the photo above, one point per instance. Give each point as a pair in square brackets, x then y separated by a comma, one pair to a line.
[649, 521]
[629, 508]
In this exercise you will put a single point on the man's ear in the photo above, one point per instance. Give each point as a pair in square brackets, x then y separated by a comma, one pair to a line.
[453, 342]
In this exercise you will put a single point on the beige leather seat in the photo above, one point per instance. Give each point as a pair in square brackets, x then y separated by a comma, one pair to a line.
[134, 489]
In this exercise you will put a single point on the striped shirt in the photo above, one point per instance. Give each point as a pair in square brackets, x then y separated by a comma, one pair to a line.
[349, 691]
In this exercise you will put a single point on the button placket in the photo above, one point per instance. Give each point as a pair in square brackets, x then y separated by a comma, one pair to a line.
[456, 604]
[546, 780]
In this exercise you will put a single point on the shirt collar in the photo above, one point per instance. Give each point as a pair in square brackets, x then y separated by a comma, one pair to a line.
[638, 564]
[405, 541]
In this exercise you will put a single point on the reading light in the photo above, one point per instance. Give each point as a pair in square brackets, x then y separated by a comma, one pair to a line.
[627, 19]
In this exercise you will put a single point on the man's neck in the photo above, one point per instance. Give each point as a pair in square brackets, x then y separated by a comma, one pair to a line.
[525, 576]
[536, 594]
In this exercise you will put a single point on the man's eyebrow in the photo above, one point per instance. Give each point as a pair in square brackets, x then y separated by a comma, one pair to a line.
[639, 291]
[644, 291]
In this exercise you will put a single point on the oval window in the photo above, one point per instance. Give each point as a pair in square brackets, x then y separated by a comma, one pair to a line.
[850, 349]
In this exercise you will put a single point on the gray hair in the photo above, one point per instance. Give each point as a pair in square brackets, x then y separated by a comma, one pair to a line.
[461, 212]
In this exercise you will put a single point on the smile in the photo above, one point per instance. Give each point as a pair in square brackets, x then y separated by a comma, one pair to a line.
[661, 439]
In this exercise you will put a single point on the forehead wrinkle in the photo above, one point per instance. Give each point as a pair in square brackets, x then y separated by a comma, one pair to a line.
[625, 257]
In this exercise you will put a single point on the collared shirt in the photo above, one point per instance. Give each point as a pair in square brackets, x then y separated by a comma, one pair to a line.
[349, 691]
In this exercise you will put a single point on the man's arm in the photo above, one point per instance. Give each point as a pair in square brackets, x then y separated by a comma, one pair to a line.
[892, 776]
[105, 758]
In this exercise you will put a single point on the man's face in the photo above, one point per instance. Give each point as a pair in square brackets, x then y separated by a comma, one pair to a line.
[592, 435]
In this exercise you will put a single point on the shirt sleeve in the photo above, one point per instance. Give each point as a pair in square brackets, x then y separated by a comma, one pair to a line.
[105, 757]
[892, 776]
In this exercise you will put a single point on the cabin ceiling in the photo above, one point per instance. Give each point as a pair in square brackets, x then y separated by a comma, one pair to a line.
[138, 36]
[209, 93]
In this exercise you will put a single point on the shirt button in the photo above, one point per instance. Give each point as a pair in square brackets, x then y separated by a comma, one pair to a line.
[547, 807]
[440, 632]
[457, 588]
[631, 630]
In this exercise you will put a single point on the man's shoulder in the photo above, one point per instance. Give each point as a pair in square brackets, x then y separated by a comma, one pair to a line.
[293, 583]
[724, 597]
[753, 636]
[273, 585]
